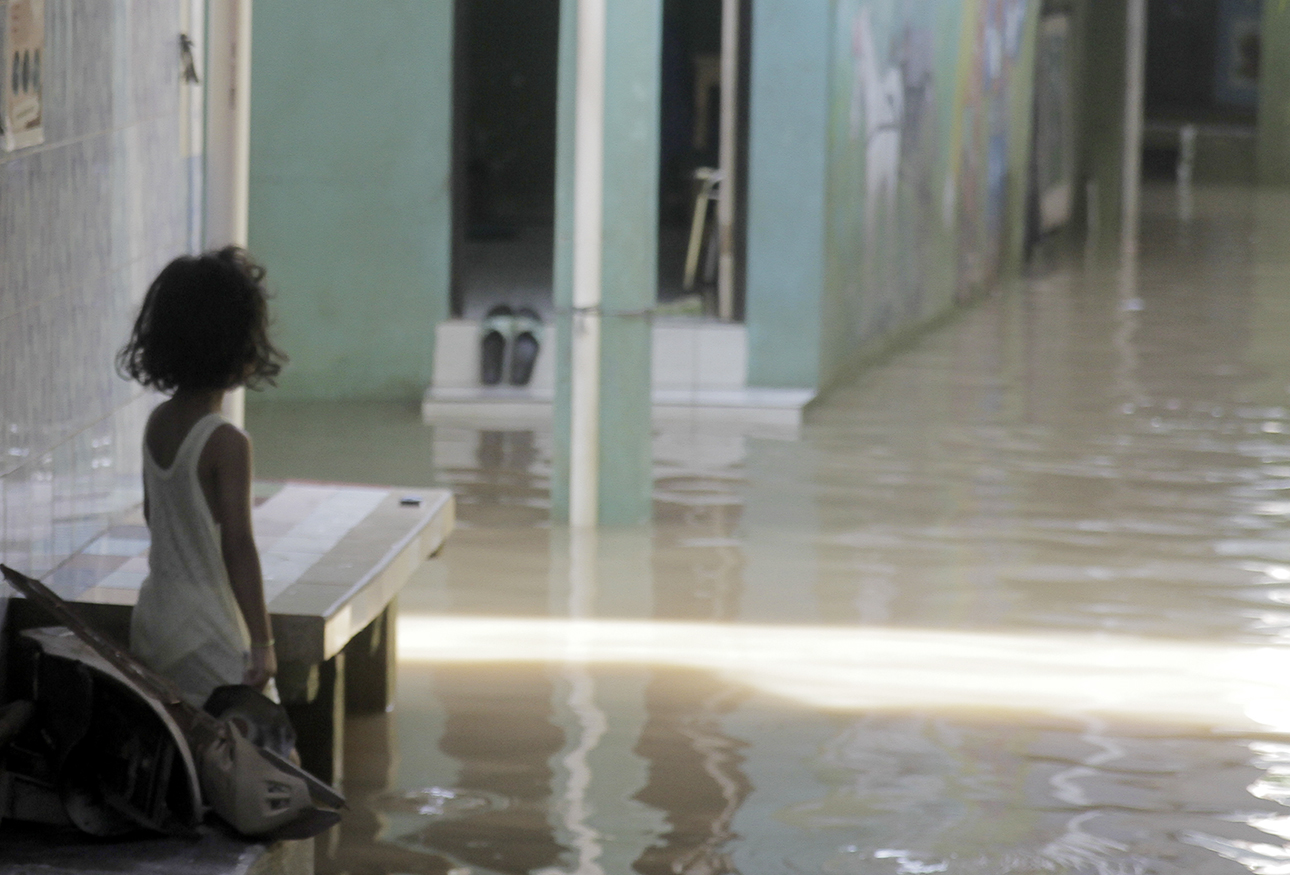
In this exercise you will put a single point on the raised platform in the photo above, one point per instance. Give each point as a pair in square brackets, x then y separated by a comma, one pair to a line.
[506, 405]
[698, 374]
[334, 558]
[333, 555]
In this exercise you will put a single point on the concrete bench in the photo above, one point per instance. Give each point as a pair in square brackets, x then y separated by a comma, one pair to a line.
[334, 558]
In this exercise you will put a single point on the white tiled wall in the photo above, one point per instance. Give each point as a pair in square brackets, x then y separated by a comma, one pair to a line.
[694, 355]
[85, 221]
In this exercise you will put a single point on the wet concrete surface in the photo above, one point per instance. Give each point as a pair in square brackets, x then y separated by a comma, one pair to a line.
[1016, 600]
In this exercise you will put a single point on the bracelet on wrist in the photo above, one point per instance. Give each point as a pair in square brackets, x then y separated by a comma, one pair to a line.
[265, 646]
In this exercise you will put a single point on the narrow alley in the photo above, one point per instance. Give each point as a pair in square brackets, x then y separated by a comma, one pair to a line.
[1005, 604]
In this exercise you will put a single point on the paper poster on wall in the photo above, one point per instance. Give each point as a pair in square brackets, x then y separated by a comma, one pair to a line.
[21, 108]
[1236, 80]
[1054, 149]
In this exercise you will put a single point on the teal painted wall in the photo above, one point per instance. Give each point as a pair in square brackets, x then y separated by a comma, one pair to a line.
[633, 50]
[889, 143]
[350, 209]
[787, 175]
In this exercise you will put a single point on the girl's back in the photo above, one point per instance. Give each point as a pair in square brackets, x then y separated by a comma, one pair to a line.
[186, 622]
[167, 430]
[201, 617]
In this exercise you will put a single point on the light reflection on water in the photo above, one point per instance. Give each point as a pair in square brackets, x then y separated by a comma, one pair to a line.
[1013, 602]
[1206, 687]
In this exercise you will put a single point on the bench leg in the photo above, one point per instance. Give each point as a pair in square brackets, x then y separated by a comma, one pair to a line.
[370, 665]
[320, 722]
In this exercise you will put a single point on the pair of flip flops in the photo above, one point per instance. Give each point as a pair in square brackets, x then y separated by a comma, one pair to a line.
[509, 345]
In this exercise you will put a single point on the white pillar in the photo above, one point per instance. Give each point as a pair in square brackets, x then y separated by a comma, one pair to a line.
[228, 121]
[588, 232]
[1134, 81]
[726, 159]
[228, 137]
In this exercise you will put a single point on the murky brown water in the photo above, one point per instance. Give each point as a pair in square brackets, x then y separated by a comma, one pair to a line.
[1015, 601]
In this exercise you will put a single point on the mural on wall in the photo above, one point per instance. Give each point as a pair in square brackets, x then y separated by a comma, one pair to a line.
[884, 151]
[987, 126]
[923, 136]
[877, 111]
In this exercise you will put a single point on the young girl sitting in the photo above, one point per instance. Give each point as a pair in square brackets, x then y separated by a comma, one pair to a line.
[201, 618]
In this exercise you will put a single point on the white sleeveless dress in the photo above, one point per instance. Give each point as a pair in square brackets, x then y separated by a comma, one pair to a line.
[186, 624]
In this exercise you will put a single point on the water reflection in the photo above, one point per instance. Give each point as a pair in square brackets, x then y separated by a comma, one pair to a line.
[695, 774]
[1017, 601]
[502, 742]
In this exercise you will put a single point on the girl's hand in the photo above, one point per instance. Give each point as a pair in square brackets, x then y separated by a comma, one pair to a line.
[264, 665]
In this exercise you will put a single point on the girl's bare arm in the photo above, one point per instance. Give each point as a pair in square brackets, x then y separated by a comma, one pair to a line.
[229, 454]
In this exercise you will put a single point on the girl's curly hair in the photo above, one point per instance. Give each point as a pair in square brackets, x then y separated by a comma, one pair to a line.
[203, 325]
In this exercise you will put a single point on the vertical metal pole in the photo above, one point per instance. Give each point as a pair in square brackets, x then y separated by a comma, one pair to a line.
[1135, 56]
[588, 233]
[726, 158]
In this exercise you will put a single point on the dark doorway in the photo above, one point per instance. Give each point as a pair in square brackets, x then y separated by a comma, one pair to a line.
[689, 147]
[1202, 74]
[504, 153]
[504, 145]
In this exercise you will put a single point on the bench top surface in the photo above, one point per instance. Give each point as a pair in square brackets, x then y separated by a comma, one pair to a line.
[334, 554]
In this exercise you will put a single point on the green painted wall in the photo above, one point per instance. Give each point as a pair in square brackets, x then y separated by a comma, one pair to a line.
[633, 49]
[350, 198]
[889, 142]
[1274, 95]
[787, 177]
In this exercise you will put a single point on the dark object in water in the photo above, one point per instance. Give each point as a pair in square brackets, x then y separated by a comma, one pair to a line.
[94, 752]
[260, 719]
[115, 747]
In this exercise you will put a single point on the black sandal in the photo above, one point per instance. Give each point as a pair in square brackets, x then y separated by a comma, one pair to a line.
[495, 332]
[527, 343]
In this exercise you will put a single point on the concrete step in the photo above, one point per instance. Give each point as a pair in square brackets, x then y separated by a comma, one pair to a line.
[698, 373]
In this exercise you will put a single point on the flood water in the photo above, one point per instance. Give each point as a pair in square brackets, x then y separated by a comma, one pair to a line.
[1015, 600]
